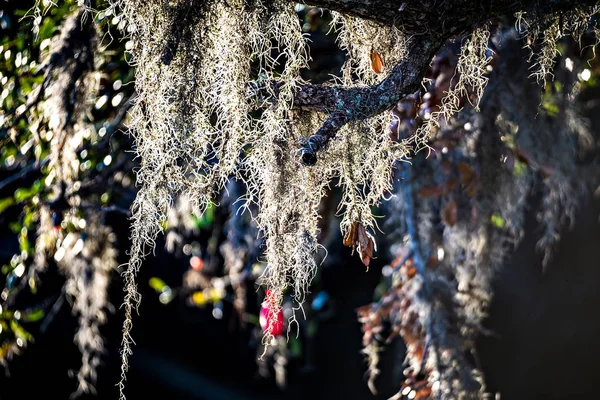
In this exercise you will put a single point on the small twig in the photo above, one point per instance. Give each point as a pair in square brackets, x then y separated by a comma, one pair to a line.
[346, 105]
[23, 173]
[10, 300]
[106, 209]
[53, 311]
[117, 120]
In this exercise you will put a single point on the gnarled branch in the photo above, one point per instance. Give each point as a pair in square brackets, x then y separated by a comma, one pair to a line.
[354, 104]
[441, 17]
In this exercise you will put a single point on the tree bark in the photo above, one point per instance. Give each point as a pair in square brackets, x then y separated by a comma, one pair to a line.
[354, 104]
[441, 15]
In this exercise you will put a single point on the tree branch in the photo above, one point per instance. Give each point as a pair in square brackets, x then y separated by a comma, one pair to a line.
[440, 16]
[346, 105]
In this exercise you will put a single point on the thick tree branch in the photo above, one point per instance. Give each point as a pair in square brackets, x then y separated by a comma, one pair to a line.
[427, 24]
[440, 16]
[346, 105]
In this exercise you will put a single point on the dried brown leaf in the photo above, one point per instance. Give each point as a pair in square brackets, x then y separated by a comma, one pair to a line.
[467, 173]
[376, 62]
[431, 191]
[450, 212]
[352, 235]
[366, 245]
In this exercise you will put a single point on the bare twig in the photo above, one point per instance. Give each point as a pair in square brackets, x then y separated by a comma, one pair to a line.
[53, 311]
[23, 173]
[345, 105]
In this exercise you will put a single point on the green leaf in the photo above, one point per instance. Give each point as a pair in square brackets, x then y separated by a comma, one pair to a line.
[312, 329]
[295, 346]
[252, 319]
[497, 221]
[158, 284]
[19, 331]
[164, 225]
[5, 203]
[519, 168]
[33, 315]
[207, 218]
[28, 220]
[15, 227]
[32, 285]
[23, 194]
[24, 243]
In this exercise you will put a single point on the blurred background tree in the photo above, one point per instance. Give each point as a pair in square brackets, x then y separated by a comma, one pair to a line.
[506, 205]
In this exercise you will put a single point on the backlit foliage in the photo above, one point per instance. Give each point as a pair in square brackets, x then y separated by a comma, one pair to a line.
[192, 123]
[214, 107]
[546, 31]
[468, 212]
[48, 131]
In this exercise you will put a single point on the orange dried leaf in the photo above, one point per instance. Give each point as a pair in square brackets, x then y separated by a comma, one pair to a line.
[423, 390]
[352, 235]
[401, 259]
[376, 62]
[432, 262]
[424, 393]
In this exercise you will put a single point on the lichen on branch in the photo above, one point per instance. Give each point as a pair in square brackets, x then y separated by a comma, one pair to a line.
[359, 103]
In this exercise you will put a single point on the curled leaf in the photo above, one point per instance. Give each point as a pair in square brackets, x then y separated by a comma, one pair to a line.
[469, 179]
[352, 235]
[449, 186]
[376, 62]
[366, 245]
[358, 236]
